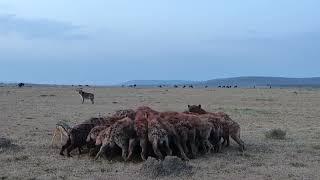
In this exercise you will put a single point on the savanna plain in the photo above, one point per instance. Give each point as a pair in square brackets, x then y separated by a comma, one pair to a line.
[28, 116]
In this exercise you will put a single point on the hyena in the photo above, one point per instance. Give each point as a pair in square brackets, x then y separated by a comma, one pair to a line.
[158, 136]
[79, 133]
[141, 128]
[230, 127]
[185, 130]
[118, 134]
[216, 131]
[86, 95]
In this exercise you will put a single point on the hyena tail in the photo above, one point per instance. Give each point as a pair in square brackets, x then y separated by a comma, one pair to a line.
[236, 137]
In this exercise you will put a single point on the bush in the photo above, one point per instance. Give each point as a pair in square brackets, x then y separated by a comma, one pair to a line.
[276, 134]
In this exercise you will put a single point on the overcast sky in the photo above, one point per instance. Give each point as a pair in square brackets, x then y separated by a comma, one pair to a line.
[108, 42]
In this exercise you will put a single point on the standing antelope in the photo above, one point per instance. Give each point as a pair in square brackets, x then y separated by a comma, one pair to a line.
[86, 95]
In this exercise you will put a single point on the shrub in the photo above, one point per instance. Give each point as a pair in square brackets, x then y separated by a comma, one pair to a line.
[276, 134]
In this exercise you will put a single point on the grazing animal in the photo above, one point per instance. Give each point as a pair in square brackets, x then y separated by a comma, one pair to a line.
[20, 85]
[118, 134]
[86, 95]
[190, 86]
[175, 86]
[206, 87]
[62, 129]
[230, 127]
[184, 86]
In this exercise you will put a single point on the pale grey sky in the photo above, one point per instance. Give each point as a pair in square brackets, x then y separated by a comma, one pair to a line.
[107, 42]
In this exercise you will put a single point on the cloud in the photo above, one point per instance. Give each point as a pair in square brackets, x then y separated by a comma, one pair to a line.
[40, 28]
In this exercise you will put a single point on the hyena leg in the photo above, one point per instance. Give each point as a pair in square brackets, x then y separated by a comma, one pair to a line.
[168, 149]
[79, 149]
[143, 145]
[132, 144]
[123, 144]
[239, 141]
[226, 141]
[192, 142]
[82, 100]
[102, 150]
[68, 143]
[70, 148]
[177, 142]
[155, 146]
[218, 146]
[184, 145]
[92, 100]
[206, 143]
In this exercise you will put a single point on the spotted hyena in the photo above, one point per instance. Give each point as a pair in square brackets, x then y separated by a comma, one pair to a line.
[184, 129]
[158, 136]
[141, 127]
[86, 95]
[230, 127]
[118, 134]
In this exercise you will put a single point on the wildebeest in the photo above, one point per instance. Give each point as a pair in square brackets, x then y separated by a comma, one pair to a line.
[20, 85]
[86, 95]
[230, 127]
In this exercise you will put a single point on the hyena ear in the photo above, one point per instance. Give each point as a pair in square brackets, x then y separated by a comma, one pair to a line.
[199, 105]
[188, 105]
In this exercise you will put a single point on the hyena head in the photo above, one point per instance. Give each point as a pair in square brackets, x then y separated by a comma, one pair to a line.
[130, 113]
[196, 109]
[80, 91]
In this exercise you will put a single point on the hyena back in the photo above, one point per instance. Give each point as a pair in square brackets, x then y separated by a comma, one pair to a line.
[86, 95]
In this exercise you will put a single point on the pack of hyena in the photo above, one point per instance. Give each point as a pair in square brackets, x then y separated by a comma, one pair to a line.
[147, 132]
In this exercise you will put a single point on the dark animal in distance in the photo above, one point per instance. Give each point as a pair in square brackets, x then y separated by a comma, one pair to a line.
[20, 85]
[86, 95]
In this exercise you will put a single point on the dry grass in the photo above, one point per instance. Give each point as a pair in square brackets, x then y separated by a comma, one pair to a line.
[28, 120]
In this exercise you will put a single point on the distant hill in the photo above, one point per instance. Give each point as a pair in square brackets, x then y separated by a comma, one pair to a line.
[158, 82]
[265, 81]
[248, 81]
